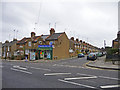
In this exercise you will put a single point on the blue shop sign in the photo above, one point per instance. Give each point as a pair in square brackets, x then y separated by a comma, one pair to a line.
[44, 46]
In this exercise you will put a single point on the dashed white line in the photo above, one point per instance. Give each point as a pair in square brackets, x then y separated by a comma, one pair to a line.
[84, 74]
[99, 76]
[68, 66]
[76, 83]
[20, 71]
[110, 86]
[49, 74]
[109, 77]
[20, 67]
[1, 66]
[41, 68]
[79, 78]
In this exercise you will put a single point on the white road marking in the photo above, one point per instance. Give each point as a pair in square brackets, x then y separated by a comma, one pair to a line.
[79, 78]
[84, 74]
[41, 68]
[100, 76]
[20, 71]
[20, 67]
[1, 66]
[109, 77]
[110, 86]
[68, 66]
[55, 74]
[76, 84]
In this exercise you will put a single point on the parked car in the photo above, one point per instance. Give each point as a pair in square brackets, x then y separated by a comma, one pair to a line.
[80, 55]
[92, 56]
[99, 54]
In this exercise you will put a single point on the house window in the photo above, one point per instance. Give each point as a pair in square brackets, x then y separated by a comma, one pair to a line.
[40, 42]
[26, 51]
[8, 48]
[29, 44]
[21, 46]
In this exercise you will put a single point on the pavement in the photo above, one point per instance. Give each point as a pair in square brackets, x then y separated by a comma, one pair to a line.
[102, 64]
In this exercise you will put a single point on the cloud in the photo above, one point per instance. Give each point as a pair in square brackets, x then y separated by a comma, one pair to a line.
[91, 21]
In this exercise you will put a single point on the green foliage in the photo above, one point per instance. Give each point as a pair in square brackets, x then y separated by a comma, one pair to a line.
[112, 51]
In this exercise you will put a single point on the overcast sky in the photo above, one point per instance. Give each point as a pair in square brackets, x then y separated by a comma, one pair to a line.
[91, 20]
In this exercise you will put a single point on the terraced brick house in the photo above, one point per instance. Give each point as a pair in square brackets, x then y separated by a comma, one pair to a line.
[27, 47]
[8, 48]
[60, 44]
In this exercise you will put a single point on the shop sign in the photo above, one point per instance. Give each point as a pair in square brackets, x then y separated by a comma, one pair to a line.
[44, 46]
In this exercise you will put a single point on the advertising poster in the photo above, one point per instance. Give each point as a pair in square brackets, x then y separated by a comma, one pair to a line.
[32, 55]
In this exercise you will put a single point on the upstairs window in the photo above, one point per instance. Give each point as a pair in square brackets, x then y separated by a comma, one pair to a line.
[21, 46]
[29, 44]
[8, 48]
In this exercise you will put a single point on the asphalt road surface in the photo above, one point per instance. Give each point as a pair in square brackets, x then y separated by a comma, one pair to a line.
[71, 73]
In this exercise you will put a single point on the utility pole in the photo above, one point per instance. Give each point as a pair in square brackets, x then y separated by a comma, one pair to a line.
[9, 37]
[55, 25]
[14, 33]
[49, 25]
[104, 43]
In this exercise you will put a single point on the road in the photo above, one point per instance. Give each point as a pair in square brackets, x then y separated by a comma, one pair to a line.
[71, 73]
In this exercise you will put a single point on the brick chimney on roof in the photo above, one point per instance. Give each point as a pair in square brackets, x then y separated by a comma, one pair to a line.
[6, 41]
[77, 39]
[72, 38]
[83, 41]
[80, 40]
[32, 34]
[52, 31]
[14, 39]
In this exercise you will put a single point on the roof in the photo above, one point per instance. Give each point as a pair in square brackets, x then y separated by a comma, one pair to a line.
[22, 41]
[54, 36]
[116, 40]
[44, 36]
[35, 38]
[9, 44]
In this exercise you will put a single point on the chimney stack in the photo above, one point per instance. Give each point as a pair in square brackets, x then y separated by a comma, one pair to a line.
[14, 39]
[32, 34]
[77, 39]
[80, 40]
[6, 41]
[52, 31]
[72, 38]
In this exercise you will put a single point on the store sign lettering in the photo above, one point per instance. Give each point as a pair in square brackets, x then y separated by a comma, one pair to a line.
[44, 46]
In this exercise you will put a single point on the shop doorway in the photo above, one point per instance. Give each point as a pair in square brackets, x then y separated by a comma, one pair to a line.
[45, 54]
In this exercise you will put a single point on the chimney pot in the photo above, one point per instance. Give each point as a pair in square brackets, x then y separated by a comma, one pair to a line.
[52, 31]
[32, 34]
[77, 40]
[72, 38]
